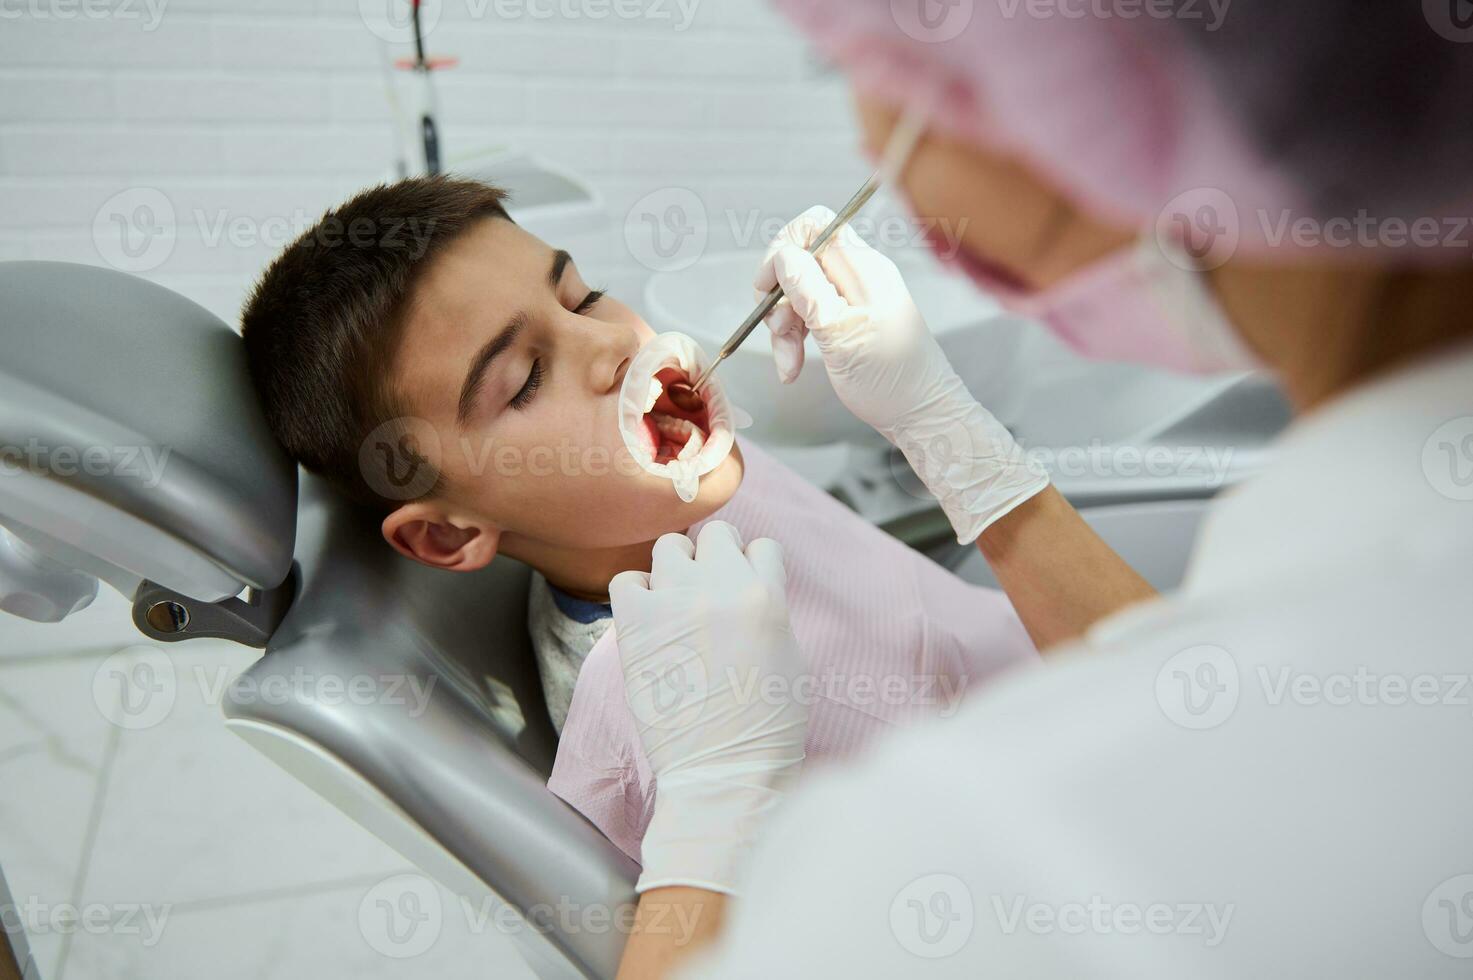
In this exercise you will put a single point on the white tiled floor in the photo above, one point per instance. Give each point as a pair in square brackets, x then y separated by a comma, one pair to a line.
[245, 872]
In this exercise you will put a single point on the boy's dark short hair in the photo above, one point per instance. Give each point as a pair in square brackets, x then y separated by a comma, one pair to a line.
[323, 323]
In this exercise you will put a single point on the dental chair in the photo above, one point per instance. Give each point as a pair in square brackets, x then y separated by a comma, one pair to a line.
[133, 452]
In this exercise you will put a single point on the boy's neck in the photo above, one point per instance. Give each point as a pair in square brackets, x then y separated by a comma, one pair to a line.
[585, 574]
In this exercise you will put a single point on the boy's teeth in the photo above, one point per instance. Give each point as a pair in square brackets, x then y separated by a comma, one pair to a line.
[672, 426]
[692, 445]
[655, 390]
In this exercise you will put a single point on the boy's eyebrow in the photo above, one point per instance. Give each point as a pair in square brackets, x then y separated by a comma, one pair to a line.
[560, 260]
[476, 376]
[481, 363]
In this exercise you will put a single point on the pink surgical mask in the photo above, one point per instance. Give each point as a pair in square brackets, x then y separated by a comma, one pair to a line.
[1139, 304]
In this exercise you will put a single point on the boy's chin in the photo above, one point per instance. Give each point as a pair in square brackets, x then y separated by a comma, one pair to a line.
[715, 490]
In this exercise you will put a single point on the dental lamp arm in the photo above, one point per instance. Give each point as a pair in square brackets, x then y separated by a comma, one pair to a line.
[889, 371]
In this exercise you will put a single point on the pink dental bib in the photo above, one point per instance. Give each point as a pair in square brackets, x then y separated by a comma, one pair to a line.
[890, 638]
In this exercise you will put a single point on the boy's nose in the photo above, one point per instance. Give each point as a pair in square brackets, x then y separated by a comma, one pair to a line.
[610, 348]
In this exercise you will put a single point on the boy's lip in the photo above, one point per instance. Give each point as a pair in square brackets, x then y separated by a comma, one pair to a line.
[667, 440]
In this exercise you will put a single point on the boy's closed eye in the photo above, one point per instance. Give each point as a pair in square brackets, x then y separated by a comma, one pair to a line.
[481, 364]
[535, 375]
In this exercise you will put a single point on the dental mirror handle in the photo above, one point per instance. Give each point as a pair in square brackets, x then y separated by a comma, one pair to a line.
[775, 295]
[902, 143]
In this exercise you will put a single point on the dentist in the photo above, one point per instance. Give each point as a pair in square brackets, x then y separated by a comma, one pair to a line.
[1263, 774]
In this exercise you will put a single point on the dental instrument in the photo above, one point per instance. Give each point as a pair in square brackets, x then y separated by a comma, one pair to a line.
[897, 151]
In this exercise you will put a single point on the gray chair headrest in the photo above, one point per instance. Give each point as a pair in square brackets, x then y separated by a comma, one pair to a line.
[141, 400]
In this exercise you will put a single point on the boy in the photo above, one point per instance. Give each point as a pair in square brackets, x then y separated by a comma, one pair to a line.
[457, 376]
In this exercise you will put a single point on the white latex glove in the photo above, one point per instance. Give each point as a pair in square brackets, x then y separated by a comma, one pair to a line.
[889, 371]
[710, 666]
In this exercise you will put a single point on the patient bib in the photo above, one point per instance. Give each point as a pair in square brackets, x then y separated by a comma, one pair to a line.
[890, 637]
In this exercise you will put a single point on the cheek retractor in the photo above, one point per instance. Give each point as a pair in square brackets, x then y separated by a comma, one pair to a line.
[651, 435]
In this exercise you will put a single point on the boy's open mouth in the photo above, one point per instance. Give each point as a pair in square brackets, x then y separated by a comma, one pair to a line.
[671, 428]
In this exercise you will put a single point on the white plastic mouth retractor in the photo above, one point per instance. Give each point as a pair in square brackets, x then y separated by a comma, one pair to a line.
[641, 390]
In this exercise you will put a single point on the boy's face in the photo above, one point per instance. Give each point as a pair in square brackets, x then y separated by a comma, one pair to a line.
[516, 365]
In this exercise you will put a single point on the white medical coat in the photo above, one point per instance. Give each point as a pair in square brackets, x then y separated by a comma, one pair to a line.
[1268, 774]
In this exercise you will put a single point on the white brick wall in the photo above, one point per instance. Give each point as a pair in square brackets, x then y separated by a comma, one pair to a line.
[271, 110]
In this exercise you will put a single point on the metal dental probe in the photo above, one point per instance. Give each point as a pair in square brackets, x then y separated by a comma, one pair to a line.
[907, 134]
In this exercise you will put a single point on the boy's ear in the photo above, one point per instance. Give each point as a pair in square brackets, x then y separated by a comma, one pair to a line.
[423, 531]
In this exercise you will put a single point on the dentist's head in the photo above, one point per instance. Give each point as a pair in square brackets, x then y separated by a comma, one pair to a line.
[1193, 184]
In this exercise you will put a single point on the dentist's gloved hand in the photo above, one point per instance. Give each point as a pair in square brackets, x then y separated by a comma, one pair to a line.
[710, 666]
[889, 371]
